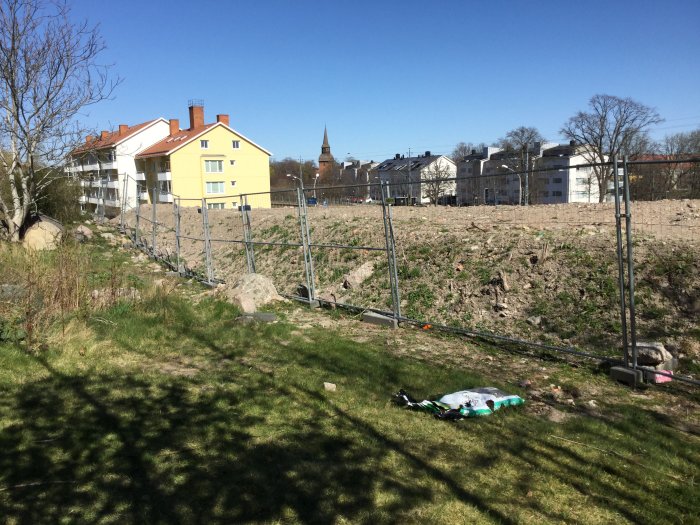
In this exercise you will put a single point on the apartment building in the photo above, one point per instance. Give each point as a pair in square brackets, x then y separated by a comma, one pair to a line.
[564, 180]
[417, 179]
[106, 166]
[211, 161]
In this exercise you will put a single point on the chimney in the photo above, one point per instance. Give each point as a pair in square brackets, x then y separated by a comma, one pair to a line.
[223, 119]
[572, 143]
[89, 139]
[196, 115]
[122, 129]
[103, 135]
[397, 157]
[427, 154]
[174, 126]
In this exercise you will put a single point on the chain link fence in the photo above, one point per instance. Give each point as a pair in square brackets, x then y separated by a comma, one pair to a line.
[532, 258]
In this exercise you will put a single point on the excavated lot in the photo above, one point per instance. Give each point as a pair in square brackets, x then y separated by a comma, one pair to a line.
[545, 273]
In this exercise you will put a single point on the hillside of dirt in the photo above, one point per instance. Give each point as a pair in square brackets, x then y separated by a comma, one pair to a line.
[545, 273]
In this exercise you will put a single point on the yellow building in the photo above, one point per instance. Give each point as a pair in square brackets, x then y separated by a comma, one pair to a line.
[211, 161]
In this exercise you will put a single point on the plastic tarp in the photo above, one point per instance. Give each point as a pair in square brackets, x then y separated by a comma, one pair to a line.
[465, 403]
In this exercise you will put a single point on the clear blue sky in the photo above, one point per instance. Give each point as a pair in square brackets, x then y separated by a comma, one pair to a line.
[385, 76]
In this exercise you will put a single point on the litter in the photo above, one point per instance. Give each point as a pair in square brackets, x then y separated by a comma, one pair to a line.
[465, 403]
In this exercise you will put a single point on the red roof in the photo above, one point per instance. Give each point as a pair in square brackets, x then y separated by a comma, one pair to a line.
[174, 141]
[111, 138]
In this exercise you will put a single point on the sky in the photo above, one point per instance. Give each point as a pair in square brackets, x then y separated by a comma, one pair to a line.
[386, 76]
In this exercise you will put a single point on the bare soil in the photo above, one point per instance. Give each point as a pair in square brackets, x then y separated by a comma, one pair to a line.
[546, 273]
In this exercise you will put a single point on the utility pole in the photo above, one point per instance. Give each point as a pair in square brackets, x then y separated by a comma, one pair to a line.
[527, 174]
[410, 184]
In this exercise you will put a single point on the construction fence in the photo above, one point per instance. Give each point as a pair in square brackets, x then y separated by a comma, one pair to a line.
[580, 277]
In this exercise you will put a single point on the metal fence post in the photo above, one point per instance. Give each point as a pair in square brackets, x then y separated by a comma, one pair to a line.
[390, 251]
[123, 203]
[176, 212]
[154, 218]
[137, 232]
[304, 231]
[247, 233]
[630, 262]
[207, 243]
[620, 263]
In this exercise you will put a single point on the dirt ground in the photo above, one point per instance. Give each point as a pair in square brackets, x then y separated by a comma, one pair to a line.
[545, 273]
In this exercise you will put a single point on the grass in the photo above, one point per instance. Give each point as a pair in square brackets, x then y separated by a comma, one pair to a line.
[171, 411]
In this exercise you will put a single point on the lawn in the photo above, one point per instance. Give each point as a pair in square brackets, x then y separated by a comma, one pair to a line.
[169, 410]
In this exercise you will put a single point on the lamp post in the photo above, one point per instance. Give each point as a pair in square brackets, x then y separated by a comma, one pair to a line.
[520, 183]
[315, 181]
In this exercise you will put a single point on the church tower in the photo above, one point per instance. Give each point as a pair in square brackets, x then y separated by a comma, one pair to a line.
[325, 159]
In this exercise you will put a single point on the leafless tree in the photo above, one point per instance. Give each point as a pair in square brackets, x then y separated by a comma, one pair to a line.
[461, 150]
[613, 126]
[48, 73]
[434, 181]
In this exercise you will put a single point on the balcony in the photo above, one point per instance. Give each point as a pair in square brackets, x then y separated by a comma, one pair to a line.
[94, 200]
[140, 175]
[74, 169]
[143, 195]
[165, 197]
[85, 183]
[164, 175]
[113, 203]
[110, 183]
[82, 199]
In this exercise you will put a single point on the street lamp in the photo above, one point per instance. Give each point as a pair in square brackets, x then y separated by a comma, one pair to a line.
[520, 183]
[301, 182]
[315, 181]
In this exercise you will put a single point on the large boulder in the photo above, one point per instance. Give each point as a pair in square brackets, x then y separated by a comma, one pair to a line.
[44, 234]
[652, 354]
[357, 276]
[251, 292]
[82, 233]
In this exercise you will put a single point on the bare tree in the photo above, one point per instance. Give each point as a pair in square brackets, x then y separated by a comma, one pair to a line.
[461, 150]
[612, 127]
[48, 73]
[434, 181]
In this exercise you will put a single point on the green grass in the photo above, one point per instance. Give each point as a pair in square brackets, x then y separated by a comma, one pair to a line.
[166, 411]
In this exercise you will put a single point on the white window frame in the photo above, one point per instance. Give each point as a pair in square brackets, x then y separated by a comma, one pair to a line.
[216, 205]
[214, 185]
[236, 144]
[204, 144]
[209, 163]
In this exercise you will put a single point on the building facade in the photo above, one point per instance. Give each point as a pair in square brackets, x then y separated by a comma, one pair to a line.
[417, 180]
[211, 161]
[106, 166]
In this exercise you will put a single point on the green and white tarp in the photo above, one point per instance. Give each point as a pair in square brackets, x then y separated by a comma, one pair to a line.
[465, 403]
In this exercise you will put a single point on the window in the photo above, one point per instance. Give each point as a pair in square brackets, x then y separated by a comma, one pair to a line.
[556, 194]
[215, 205]
[215, 187]
[236, 144]
[581, 180]
[214, 166]
[556, 180]
[204, 144]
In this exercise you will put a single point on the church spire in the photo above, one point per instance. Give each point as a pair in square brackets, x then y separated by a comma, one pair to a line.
[325, 159]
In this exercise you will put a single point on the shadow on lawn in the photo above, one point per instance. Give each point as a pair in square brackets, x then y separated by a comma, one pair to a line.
[107, 447]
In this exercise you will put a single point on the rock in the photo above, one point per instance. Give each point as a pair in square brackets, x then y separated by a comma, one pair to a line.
[652, 353]
[524, 383]
[109, 237]
[82, 233]
[356, 277]
[251, 291]
[592, 403]
[329, 387]
[503, 281]
[535, 320]
[44, 234]
[499, 307]
[12, 293]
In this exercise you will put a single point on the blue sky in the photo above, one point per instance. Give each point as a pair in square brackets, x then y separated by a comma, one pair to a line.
[386, 76]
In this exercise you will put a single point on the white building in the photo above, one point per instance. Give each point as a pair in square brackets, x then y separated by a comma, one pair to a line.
[106, 168]
[563, 182]
[416, 179]
[472, 187]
